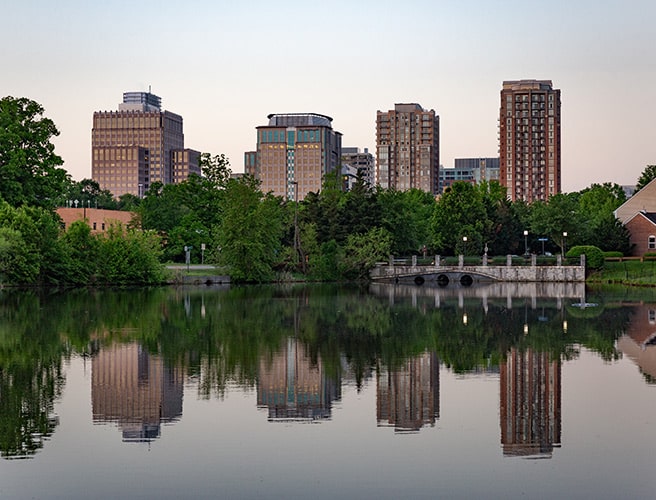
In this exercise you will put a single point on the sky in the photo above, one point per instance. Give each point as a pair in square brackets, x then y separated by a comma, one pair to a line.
[225, 65]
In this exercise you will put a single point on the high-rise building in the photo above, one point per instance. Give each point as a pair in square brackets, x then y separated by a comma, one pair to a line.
[408, 148]
[474, 170]
[362, 161]
[529, 139]
[138, 145]
[294, 153]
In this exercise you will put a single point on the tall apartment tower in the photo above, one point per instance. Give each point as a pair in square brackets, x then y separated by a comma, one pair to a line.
[294, 153]
[529, 139]
[136, 146]
[408, 148]
[362, 161]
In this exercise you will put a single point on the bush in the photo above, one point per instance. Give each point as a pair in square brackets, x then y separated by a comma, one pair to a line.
[594, 257]
[613, 254]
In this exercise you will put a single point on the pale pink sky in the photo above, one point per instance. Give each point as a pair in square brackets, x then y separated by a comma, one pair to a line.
[224, 66]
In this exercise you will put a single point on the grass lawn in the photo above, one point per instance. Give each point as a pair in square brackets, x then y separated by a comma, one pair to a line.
[631, 272]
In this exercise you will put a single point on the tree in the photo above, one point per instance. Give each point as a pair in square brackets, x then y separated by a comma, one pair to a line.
[88, 193]
[459, 213]
[215, 169]
[648, 174]
[250, 233]
[29, 167]
[559, 215]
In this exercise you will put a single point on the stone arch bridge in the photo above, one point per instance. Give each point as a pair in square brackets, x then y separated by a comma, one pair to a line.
[467, 275]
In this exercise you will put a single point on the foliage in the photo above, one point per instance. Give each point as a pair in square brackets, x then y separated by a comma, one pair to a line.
[129, 257]
[248, 238]
[362, 251]
[29, 167]
[647, 175]
[460, 213]
[613, 254]
[87, 193]
[594, 257]
[216, 169]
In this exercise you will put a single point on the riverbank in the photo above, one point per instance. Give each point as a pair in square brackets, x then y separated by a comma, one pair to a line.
[627, 272]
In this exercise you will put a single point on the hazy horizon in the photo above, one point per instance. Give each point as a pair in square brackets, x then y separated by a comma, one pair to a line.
[225, 66]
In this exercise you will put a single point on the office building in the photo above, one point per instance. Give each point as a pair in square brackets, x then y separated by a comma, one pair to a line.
[408, 148]
[138, 145]
[294, 153]
[529, 139]
[362, 161]
[472, 170]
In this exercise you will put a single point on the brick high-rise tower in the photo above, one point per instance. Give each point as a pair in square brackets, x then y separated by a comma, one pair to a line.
[529, 139]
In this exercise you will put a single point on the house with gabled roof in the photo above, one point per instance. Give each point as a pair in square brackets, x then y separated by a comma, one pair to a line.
[638, 214]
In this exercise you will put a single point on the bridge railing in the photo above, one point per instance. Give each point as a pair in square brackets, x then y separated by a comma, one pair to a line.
[478, 260]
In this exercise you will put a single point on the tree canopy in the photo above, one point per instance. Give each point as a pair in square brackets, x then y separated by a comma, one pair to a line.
[29, 167]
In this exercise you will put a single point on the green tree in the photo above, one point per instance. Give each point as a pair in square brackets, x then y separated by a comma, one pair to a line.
[83, 249]
[599, 226]
[216, 169]
[557, 216]
[362, 251]
[248, 239]
[459, 213]
[129, 257]
[647, 175]
[407, 216]
[88, 193]
[29, 167]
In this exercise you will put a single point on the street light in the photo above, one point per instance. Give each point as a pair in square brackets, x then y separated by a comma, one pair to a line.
[464, 243]
[564, 243]
[525, 242]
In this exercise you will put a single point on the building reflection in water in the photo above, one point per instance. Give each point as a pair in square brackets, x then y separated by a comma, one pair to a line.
[408, 398]
[136, 390]
[530, 404]
[294, 387]
[639, 342]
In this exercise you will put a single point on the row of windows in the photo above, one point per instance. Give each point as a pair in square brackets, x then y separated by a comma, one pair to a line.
[289, 137]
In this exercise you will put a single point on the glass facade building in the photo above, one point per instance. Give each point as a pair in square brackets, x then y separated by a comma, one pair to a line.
[294, 153]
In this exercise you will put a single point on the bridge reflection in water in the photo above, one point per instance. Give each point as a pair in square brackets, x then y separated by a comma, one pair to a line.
[561, 292]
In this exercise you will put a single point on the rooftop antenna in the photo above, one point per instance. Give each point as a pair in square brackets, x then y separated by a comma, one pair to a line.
[149, 90]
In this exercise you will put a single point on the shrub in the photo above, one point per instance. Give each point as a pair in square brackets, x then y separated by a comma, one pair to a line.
[613, 254]
[594, 257]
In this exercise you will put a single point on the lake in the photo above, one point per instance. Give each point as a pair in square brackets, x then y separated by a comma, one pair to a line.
[327, 391]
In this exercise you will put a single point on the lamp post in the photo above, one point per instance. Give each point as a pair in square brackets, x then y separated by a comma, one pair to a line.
[464, 244]
[525, 242]
[564, 243]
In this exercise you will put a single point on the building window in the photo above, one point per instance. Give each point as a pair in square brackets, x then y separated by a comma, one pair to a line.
[652, 243]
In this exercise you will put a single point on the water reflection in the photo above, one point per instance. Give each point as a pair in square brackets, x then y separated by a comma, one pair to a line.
[135, 390]
[293, 386]
[408, 397]
[529, 404]
[639, 342]
[298, 346]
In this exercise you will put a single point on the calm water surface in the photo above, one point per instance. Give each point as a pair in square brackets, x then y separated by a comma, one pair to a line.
[329, 392]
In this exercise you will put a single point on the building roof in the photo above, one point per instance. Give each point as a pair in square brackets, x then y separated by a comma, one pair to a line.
[643, 201]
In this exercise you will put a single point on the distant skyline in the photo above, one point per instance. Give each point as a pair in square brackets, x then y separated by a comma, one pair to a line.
[224, 66]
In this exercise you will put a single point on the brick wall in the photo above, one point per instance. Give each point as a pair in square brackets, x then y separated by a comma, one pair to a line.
[97, 218]
[641, 229]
